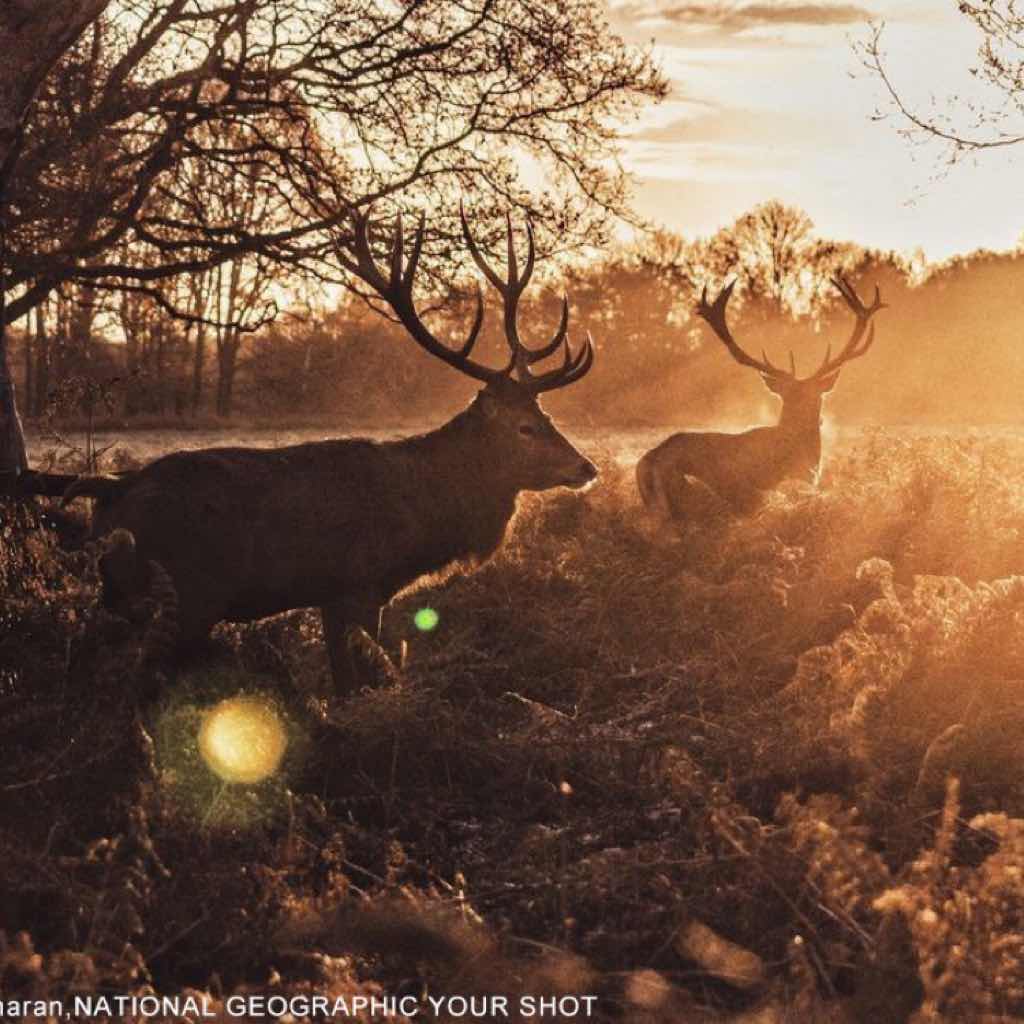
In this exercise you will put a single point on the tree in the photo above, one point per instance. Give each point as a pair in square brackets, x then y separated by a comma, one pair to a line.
[34, 35]
[333, 104]
[241, 295]
[990, 116]
[782, 267]
[784, 300]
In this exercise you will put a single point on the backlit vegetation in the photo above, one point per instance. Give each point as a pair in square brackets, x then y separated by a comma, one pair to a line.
[766, 764]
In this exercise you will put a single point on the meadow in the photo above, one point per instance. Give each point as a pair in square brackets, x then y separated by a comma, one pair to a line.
[757, 770]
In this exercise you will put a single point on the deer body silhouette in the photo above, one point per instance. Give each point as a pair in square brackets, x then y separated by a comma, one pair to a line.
[694, 474]
[345, 525]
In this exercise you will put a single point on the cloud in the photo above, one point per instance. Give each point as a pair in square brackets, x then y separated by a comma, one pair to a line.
[734, 18]
[769, 128]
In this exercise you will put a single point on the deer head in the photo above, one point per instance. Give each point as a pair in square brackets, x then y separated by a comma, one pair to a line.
[506, 412]
[801, 397]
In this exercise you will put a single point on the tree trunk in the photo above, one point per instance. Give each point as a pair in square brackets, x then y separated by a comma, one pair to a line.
[160, 338]
[13, 457]
[201, 283]
[30, 367]
[198, 359]
[60, 364]
[227, 363]
[43, 355]
[83, 318]
[130, 326]
[33, 36]
[227, 336]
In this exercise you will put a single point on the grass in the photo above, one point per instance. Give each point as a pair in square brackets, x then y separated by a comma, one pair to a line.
[765, 766]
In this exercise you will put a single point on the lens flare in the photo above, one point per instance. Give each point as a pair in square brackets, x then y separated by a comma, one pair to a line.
[242, 739]
[426, 619]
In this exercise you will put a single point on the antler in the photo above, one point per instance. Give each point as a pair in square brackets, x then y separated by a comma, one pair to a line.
[852, 349]
[396, 290]
[714, 314]
[574, 366]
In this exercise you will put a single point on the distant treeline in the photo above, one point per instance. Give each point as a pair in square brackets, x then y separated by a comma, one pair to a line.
[948, 350]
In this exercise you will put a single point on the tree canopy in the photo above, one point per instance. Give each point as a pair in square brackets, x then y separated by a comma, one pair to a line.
[145, 140]
[166, 111]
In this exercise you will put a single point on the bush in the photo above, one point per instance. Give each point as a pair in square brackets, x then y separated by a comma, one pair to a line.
[607, 737]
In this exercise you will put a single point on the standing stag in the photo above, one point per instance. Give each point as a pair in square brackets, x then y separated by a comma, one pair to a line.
[675, 478]
[345, 525]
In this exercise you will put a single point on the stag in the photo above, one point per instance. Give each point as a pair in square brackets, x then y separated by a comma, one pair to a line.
[345, 525]
[692, 471]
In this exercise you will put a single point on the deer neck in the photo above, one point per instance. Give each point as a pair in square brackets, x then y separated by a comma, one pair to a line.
[800, 420]
[462, 490]
[799, 429]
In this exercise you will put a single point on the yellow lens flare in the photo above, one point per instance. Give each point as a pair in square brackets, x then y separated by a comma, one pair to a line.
[243, 739]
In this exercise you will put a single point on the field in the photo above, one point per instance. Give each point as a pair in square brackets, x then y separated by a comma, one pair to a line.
[761, 770]
[143, 445]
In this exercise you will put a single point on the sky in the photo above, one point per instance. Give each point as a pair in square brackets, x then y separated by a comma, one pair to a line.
[770, 100]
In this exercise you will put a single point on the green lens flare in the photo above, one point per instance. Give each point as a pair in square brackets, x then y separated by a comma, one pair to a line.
[426, 619]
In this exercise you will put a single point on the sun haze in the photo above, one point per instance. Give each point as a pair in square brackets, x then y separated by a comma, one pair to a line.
[771, 101]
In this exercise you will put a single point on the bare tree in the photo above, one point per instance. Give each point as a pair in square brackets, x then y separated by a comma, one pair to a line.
[200, 294]
[33, 37]
[336, 104]
[243, 304]
[781, 266]
[991, 116]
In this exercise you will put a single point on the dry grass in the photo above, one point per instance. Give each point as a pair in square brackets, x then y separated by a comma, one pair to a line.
[607, 737]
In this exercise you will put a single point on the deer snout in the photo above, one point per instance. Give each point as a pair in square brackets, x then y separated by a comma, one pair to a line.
[584, 473]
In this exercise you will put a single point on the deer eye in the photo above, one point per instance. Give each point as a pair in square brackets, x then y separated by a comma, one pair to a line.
[527, 430]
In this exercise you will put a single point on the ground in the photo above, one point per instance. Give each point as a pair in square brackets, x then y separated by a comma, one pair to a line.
[766, 769]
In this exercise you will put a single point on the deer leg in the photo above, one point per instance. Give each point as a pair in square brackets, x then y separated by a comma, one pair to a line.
[675, 499]
[351, 668]
[194, 642]
[694, 501]
[652, 492]
[672, 498]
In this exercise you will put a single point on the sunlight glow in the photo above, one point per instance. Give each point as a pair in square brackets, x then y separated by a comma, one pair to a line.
[243, 740]
[766, 106]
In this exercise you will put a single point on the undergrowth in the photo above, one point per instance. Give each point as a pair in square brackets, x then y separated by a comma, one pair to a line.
[764, 769]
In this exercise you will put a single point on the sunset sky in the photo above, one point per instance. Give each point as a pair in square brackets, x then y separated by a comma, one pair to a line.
[770, 101]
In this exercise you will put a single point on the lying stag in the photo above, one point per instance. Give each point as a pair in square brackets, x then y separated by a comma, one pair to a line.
[345, 525]
[690, 471]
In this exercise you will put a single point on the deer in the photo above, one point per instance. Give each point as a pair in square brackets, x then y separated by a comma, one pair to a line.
[694, 473]
[345, 525]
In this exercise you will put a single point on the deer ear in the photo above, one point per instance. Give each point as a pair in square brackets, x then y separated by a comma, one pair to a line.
[774, 384]
[828, 382]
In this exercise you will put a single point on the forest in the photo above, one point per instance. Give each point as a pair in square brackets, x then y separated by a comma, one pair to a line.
[605, 759]
[352, 368]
